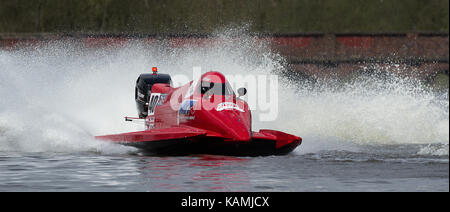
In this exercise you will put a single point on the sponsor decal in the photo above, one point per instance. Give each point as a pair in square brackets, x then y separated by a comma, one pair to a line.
[228, 106]
[186, 106]
[140, 95]
[185, 113]
[186, 118]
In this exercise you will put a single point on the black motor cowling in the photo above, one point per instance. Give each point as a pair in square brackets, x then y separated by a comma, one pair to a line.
[143, 88]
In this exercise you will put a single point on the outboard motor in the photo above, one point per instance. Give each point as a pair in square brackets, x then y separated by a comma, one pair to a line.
[143, 89]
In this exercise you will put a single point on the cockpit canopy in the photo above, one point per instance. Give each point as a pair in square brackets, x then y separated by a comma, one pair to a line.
[211, 88]
[214, 83]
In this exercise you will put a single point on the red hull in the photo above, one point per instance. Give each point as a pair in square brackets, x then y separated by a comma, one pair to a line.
[188, 141]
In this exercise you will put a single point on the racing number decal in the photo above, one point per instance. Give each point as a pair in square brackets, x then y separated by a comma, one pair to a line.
[154, 99]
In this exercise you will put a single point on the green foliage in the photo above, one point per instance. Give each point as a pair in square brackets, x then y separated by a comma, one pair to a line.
[205, 16]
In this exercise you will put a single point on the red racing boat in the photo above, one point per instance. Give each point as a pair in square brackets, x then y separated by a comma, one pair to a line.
[204, 116]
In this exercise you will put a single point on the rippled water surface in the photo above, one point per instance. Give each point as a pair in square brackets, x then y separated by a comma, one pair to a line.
[395, 168]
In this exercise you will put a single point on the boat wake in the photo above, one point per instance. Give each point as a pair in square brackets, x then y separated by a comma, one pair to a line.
[55, 97]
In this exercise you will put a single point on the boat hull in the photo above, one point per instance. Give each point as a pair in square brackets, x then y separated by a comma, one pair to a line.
[189, 140]
[192, 146]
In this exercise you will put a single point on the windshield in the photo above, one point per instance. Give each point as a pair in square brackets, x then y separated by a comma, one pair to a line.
[216, 88]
